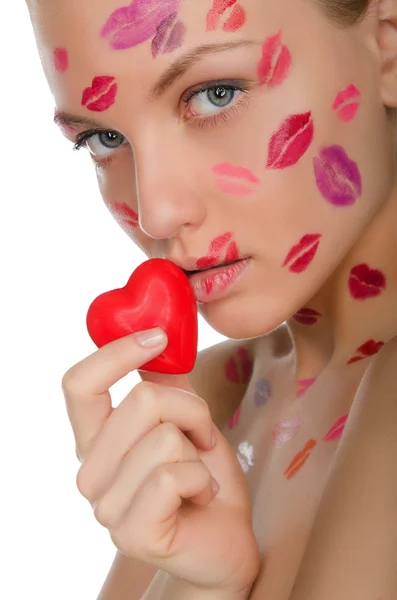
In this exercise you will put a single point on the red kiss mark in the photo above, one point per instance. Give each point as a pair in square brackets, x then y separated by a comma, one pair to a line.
[365, 282]
[271, 71]
[124, 215]
[60, 60]
[291, 141]
[216, 248]
[101, 95]
[239, 369]
[347, 112]
[368, 349]
[226, 170]
[234, 420]
[304, 385]
[307, 316]
[310, 241]
[335, 433]
[300, 460]
[234, 22]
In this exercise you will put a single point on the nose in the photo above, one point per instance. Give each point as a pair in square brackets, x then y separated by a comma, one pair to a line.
[168, 191]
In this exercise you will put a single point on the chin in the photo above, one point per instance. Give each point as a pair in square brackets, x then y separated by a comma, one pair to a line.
[238, 318]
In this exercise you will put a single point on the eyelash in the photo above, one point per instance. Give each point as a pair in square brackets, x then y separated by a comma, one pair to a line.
[201, 122]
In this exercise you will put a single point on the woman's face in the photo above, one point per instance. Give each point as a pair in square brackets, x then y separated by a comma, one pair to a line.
[253, 121]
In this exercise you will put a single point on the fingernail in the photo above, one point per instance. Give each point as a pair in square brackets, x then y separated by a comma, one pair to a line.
[213, 439]
[150, 338]
[215, 486]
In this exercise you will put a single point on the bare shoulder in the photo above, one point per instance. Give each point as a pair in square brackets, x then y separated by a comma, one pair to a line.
[223, 372]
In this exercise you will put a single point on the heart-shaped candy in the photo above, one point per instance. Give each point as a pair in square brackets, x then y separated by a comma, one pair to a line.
[158, 294]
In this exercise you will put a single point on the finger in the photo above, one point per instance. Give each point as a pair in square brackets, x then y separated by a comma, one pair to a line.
[86, 386]
[164, 444]
[146, 406]
[150, 525]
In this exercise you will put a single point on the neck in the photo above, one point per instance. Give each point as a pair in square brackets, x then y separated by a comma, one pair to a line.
[348, 329]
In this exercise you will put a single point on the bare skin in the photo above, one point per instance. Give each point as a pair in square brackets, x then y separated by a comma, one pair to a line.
[308, 370]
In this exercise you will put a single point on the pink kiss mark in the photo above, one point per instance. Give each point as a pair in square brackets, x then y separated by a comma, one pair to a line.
[366, 283]
[285, 431]
[336, 431]
[175, 32]
[232, 187]
[239, 369]
[347, 112]
[101, 95]
[271, 71]
[136, 23]
[304, 385]
[234, 420]
[60, 60]
[124, 215]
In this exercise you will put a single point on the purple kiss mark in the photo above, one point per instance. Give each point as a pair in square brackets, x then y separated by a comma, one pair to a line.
[175, 38]
[262, 392]
[338, 177]
[134, 24]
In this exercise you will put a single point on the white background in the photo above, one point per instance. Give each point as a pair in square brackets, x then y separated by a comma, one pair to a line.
[60, 248]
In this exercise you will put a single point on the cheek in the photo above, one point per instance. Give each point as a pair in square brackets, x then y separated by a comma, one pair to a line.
[235, 179]
[347, 103]
[125, 216]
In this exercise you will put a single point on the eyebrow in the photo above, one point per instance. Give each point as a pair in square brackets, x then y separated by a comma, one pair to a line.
[174, 72]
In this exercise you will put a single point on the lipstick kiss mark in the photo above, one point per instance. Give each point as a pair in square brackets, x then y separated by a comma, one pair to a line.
[290, 142]
[348, 111]
[234, 420]
[124, 215]
[365, 282]
[338, 178]
[226, 170]
[310, 241]
[234, 22]
[300, 460]
[307, 316]
[303, 385]
[101, 95]
[175, 31]
[60, 60]
[336, 431]
[216, 248]
[263, 392]
[275, 63]
[285, 431]
[238, 369]
[368, 349]
[136, 23]
[246, 456]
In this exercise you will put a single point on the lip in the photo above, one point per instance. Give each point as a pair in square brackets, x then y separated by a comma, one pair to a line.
[101, 95]
[290, 142]
[216, 282]
[282, 65]
[310, 241]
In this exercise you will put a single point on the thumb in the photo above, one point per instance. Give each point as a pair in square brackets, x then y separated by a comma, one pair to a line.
[177, 381]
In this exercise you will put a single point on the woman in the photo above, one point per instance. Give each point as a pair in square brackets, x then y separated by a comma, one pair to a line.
[258, 133]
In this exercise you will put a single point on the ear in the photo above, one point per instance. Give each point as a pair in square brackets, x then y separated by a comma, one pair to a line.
[387, 45]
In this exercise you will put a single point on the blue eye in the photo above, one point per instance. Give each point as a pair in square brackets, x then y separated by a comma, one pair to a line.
[101, 142]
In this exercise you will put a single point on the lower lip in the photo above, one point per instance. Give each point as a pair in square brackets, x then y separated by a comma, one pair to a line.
[214, 283]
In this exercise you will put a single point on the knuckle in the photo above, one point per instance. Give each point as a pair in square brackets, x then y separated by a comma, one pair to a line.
[171, 439]
[144, 396]
[164, 477]
[102, 514]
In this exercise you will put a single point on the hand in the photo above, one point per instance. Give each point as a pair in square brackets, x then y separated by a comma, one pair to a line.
[147, 466]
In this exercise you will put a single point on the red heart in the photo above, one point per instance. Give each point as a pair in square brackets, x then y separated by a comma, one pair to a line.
[158, 294]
